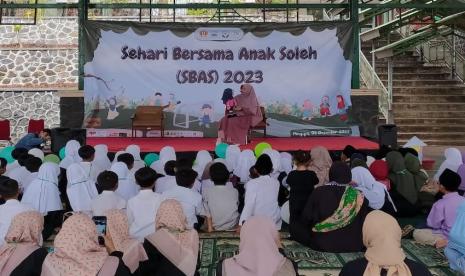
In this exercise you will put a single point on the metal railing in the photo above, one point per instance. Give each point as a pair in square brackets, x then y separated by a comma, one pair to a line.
[442, 51]
[372, 81]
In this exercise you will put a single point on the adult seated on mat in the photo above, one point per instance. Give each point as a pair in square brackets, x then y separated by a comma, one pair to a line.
[333, 217]
[234, 129]
[384, 254]
[22, 253]
[174, 248]
[77, 251]
[403, 191]
[33, 140]
[260, 252]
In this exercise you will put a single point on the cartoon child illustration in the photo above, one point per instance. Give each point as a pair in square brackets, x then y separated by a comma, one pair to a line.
[324, 106]
[341, 108]
[172, 103]
[229, 102]
[158, 99]
[206, 112]
[112, 105]
[307, 110]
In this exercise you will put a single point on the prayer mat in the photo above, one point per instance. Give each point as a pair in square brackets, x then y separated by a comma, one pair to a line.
[217, 246]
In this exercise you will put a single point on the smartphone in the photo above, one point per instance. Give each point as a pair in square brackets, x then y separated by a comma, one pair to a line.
[101, 224]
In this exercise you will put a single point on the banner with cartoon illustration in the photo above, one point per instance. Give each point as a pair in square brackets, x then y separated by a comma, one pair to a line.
[301, 74]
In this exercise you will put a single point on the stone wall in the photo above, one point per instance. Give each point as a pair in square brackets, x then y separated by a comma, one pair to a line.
[50, 32]
[40, 68]
[19, 107]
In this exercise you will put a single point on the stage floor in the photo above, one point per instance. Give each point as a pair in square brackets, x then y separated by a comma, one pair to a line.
[196, 144]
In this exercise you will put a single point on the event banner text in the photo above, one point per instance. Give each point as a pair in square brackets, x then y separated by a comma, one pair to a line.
[187, 76]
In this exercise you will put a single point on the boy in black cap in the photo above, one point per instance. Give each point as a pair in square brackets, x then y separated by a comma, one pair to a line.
[443, 213]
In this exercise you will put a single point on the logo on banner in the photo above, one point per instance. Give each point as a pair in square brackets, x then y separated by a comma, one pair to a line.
[219, 34]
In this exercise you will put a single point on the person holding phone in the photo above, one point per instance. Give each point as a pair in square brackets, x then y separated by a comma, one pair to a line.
[78, 252]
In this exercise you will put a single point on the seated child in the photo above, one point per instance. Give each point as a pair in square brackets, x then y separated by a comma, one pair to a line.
[107, 182]
[169, 180]
[229, 102]
[9, 191]
[142, 208]
[220, 202]
[301, 182]
[127, 159]
[442, 215]
[32, 164]
[261, 194]
[190, 200]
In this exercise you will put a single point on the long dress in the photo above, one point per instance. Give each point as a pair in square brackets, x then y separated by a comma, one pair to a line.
[236, 128]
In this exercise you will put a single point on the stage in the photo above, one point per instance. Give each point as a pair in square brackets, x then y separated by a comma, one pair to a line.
[196, 144]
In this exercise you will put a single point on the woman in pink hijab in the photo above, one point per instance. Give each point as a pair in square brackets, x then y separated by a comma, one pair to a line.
[173, 249]
[77, 252]
[21, 254]
[118, 230]
[233, 130]
[259, 252]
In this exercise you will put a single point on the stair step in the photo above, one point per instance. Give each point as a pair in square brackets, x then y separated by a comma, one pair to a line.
[433, 135]
[427, 98]
[439, 90]
[419, 69]
[416, 76]
[455, 106]
[430, 121]
[404, 114]
[434, 142]
[403, 83]
[436, 128]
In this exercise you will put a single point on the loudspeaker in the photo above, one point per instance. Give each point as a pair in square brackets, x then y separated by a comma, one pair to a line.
[61, 135]
[387, 136]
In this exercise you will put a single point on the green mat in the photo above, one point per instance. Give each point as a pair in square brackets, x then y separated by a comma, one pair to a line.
[215, 247]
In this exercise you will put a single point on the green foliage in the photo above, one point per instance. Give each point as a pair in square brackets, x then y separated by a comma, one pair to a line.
[198, 12]
[17, 28]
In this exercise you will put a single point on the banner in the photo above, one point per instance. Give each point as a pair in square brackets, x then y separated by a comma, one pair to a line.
[301, 74]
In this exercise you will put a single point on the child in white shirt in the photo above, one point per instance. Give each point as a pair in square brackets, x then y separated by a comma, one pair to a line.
[107, 182]
[9, 191]
[143, 208]
[190, 200]
[169, 180]
[261, 194]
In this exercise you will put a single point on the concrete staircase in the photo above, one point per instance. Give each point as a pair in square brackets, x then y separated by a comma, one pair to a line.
[426, 101]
